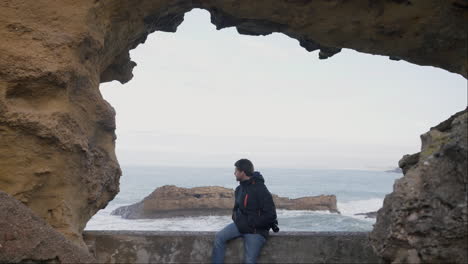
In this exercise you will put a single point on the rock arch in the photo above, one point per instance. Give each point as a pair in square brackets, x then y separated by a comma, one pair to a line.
[57, 135]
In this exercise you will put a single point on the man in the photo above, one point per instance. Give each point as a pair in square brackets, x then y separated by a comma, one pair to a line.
[253, 214]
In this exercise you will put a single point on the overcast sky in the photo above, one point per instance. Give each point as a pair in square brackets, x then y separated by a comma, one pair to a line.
[206, 98]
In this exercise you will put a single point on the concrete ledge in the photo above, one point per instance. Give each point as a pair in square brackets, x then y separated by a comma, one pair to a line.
[195, 247]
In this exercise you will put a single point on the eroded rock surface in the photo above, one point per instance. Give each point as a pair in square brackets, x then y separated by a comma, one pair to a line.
[56, 131]
[27, 238]
[171, 201]
[425, 219]
[57, 138]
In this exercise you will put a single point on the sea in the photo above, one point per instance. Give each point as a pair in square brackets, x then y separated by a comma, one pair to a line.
[357, 191]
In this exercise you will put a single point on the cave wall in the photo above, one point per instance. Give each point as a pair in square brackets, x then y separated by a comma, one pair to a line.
[425, 218]
[27, 238]
[425, 32]
[57, 133]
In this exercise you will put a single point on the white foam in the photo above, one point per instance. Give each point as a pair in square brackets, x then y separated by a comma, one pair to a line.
[290, 220]
[103, 220]
[352, 208]
[282, 213]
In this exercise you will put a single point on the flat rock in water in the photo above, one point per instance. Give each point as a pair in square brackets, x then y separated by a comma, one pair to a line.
[173, 201]
[369, 214]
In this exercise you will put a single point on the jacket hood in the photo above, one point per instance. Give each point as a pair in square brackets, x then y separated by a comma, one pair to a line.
[256, 177]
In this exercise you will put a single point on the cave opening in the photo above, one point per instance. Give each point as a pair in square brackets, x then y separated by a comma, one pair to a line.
[200, 99]
[58, 162]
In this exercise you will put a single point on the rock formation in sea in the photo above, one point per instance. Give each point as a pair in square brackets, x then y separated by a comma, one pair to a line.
[372, 214]
[172, 201]
[395, 170]
[57, 133]
[425, 218]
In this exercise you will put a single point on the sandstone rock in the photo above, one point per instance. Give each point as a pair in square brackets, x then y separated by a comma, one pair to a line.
[315, 203]
[57, 133]
[425, 218]
[25, 237]
[171, 201]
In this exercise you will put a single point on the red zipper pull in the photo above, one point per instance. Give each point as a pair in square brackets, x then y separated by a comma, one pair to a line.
[245, 200]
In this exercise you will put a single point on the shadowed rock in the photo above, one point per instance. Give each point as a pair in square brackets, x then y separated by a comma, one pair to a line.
[25, 237]
[425, 218]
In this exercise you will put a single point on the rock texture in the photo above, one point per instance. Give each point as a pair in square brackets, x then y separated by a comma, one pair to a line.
[57, 133]
[195, 247]
[425, 219]
[26, 238]
[171, 201]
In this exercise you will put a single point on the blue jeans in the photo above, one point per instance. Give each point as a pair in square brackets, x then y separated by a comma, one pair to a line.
[253, 243]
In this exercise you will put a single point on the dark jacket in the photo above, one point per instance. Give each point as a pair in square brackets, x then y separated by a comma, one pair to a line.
[254, 210]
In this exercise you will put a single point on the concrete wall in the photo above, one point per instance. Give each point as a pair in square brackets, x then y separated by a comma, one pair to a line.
[194, 247]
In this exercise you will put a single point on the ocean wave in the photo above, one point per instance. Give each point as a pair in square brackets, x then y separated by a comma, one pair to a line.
[289, 220]
[352, 208]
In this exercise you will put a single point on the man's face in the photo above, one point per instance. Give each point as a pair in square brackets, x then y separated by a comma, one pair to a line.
[240, 175]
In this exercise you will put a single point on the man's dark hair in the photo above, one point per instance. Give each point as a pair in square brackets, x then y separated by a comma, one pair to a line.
[246, 166]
